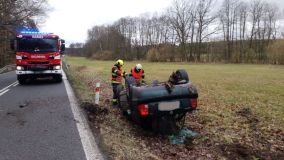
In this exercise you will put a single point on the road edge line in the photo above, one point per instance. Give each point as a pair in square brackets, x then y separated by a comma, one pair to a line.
[88, 141]
[3, 89]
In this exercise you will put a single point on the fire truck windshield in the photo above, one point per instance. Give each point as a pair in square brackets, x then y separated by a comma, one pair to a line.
[38, 45]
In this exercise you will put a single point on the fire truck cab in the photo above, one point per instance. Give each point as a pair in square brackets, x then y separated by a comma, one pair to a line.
[38, 55]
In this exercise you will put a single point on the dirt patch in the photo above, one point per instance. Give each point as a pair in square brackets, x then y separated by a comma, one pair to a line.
[247, 113]
[266, 142]
[250, 117]
[81, 68]
[95, 112]
[96, 118]
[238, 152]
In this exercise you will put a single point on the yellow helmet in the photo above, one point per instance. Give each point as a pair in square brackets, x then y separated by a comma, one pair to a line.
[119, 62]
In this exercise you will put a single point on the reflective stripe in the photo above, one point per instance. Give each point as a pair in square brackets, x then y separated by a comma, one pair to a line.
[115, 81]
[114, 76]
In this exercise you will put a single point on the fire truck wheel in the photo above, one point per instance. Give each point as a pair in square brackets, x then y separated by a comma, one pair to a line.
[21, 80]
[58, 78]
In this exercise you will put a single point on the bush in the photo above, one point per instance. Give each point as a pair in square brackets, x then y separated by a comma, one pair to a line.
[276, 52]
[250, 55]
[236, 57]
[153, 55]
[163, 53]
[103, 55]
[168, 53]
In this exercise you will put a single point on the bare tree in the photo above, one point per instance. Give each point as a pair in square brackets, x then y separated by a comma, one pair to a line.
[180, 18]
[204, 18]
[242, 11]
[228, 18]
[256, 9]
[271, 17]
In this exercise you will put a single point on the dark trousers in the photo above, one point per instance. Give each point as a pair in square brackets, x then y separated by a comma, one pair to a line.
[114, 90]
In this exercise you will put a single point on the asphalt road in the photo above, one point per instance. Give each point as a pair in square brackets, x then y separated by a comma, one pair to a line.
[37, 122]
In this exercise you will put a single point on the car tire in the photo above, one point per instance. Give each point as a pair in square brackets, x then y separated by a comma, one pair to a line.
[182, 76]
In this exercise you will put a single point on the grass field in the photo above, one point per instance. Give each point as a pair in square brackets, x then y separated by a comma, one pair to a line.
[241, 112]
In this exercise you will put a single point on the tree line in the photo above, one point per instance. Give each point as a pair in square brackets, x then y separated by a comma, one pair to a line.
[194, 30]
[18, 14]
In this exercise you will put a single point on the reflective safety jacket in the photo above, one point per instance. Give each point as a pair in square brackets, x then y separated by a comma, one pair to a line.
[137, 75]
[116, 74]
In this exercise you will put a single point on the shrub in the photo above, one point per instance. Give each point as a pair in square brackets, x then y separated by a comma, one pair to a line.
[153, 55]
[103, 55]
[168, 53]
[163, 53]
[276, 52]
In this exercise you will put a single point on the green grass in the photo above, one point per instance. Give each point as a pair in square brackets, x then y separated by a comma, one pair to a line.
[224, 90]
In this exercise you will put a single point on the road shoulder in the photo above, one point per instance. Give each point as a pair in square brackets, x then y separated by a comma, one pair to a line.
[89, 143]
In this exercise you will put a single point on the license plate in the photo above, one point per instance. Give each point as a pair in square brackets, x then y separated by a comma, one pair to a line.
[168, 106]
[37, 36]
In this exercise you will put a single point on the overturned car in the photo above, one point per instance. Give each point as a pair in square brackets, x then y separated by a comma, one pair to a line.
[160, 105]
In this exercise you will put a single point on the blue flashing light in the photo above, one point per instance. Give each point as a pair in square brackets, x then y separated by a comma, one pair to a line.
[30, 31]
[26, 30]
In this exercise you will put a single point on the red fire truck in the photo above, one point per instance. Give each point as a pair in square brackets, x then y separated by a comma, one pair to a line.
[38, 55]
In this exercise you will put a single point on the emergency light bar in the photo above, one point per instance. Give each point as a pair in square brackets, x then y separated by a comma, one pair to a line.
[28, 32]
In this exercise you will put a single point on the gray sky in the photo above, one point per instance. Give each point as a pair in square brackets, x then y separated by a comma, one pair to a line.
[71, 19]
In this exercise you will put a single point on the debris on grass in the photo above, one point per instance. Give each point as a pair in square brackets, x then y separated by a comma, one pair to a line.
[182, 135]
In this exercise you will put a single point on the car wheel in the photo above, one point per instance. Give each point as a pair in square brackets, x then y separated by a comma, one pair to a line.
[182, 76]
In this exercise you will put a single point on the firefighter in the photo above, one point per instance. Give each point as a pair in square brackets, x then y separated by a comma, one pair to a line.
[138, 73]
[117, 74]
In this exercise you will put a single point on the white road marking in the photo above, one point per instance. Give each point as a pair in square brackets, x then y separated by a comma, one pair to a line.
[1, 93]
[8, 86]
[88, 141]
[15, 84]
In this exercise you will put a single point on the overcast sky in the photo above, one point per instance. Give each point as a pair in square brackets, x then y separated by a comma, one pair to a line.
[71, 19]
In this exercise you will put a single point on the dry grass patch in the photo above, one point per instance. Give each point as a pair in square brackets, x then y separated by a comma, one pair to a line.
[240, 105]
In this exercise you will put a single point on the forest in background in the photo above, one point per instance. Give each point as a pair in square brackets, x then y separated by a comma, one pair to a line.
[233, 31]
[193, 31]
